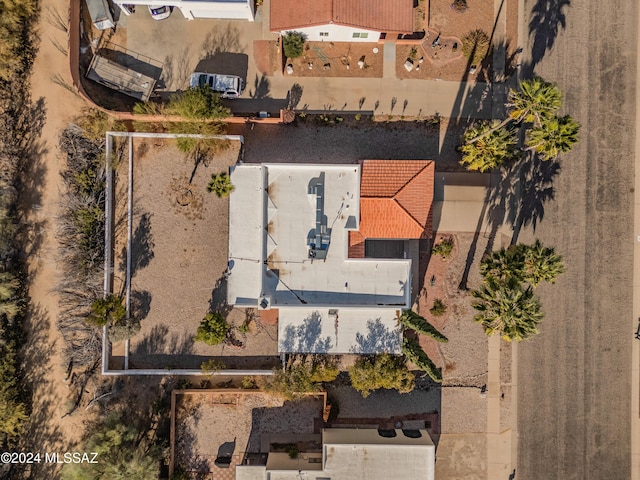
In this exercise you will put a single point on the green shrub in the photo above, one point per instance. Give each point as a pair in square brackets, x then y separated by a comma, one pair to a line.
[475, 46]
[213, 329]
[197, 104]
[412, 320]
[123, 330]
[292, 450]
[212, 365]
[108, 310]
[381, 371]
[292, 383]
[325, 373]
[293, 44]
[444, 248]
[220, 184]
[415, 354]
[438, 308]
[249, 383]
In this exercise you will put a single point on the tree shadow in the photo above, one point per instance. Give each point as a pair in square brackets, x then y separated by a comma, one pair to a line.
[218, 301]
[261, 88]
[294, 96]
[159, 341]
[222, 39]
[41, 432]
[547, 20]
[305, 338]
[140, 304]
[141, 247]
[379, 339]
[535, 181]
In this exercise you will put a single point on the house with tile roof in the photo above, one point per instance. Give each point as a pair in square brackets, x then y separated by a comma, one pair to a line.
[291, 250]
[342, 20]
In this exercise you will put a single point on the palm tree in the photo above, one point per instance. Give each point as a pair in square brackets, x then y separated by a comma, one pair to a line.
[553, 136]
[535, 100]
[507, 308]
[221, 185]
[541, 264]
[504, 264]
[486, 147]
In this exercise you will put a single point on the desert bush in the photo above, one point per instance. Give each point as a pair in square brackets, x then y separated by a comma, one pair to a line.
[123, 330]
[438, 309]
[220, 184]
[444, 248]
[412, 320]
[249, 383]
[107, 311]
[292, 383]
[293, 44]
[197, 104]
[381, 371]
[212, 365]
[475, 46]
[459, 5]
[213, 329]
[414, 353]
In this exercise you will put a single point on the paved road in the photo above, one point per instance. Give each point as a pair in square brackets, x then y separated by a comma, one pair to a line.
[575, 378]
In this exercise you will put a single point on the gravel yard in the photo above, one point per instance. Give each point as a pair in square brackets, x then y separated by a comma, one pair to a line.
[211, 424]
[179, 255]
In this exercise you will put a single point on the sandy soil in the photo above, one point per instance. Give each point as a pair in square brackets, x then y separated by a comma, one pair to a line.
[43, 363]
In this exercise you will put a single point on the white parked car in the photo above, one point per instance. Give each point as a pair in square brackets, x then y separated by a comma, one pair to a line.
[228, 86]
[160, 13]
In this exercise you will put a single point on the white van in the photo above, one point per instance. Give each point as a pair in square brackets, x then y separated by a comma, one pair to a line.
[228, 86]
[100, 13]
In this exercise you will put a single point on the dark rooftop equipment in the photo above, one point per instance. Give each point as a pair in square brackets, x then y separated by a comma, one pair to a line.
[319, 238]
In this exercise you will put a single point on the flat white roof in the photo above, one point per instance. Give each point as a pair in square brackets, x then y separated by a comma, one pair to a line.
[290, 223]
[339, 330]
[360, 454]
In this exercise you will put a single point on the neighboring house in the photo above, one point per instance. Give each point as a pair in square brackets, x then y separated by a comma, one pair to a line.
[192, 9]
[342, 20]
[353, 454]
[289, 244]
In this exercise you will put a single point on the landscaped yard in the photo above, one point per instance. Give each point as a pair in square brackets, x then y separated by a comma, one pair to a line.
[338, 59]
[441, 49]
[232, 424]
[179, 256]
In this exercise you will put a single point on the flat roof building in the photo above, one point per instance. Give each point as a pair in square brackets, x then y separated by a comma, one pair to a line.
[354, 454]
[289, 249]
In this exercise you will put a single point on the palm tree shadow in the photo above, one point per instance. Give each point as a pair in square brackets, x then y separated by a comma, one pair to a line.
[547, 19]
[535, 181]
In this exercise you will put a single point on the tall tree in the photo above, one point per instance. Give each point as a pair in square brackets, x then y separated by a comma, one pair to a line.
[504, 263]
[507, 308]
[541, 264]
[553, 136]
[486, 147]
[381, 371]
[534, 101]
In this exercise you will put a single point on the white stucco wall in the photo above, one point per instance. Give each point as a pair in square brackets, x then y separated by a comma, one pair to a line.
[229, 9]
[337, 33]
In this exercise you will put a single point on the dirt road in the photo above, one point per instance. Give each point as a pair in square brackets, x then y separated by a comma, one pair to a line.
[44, 369]
[574, 378]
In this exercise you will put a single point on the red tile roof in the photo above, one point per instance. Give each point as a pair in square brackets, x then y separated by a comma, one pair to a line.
[378, 15]
[396, 198]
